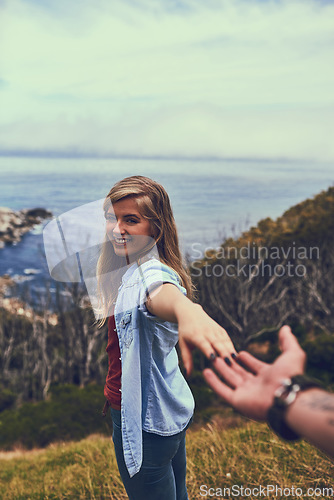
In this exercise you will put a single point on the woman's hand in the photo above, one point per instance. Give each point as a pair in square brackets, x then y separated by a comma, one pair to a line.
[196, 328]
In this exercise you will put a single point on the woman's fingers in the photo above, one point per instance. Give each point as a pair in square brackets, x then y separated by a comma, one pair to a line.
[222, 343]
[186, 356]
[206, 345]
[207, 336]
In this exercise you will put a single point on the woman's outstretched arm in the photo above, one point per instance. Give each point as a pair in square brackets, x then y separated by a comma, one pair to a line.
[196, 328]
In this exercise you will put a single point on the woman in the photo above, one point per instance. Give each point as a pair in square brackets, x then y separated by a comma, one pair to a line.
[151, 403]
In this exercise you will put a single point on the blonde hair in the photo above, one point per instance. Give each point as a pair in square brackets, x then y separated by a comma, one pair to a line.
[154, 205]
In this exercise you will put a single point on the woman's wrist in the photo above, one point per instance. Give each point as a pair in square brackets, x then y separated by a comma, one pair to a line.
[184, 307]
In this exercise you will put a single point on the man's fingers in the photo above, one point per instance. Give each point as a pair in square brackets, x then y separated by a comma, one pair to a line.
[218, 386]
[250, 362]
[289, 343]
[287, 340]
[230, 373]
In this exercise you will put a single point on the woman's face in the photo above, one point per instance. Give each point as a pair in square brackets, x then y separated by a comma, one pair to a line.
[127, 230]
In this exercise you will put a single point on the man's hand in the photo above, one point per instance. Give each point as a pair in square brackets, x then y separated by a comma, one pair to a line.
[252, 392]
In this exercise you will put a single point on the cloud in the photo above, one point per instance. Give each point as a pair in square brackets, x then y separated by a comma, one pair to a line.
[224, 78]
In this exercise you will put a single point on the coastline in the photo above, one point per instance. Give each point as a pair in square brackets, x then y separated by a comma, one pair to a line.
[14, 224]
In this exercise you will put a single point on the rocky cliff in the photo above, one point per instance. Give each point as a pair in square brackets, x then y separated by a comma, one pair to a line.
[14, 224]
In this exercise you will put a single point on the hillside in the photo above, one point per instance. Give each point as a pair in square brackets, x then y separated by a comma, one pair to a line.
[218, 457]
[278, 271]
[308, 223]
[41, 353]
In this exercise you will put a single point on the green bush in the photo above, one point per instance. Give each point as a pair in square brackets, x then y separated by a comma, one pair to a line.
[320, 358]
[7, 398]
[71, 413]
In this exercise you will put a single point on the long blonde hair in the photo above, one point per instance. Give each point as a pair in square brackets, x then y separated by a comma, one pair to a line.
[154, 205]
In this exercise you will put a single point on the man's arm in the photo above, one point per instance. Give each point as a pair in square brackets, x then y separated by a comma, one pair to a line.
[252, 392]
[312, 416]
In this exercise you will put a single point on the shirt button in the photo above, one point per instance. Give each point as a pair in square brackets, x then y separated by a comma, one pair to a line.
[115, 330]
[120, 359]
[120, 390]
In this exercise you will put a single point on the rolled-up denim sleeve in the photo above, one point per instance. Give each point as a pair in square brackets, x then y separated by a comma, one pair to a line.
[153, 275]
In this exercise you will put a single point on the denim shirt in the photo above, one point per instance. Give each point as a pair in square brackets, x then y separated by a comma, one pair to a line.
[155, 396]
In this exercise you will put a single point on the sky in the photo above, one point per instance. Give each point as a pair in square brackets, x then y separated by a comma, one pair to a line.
[185, 78]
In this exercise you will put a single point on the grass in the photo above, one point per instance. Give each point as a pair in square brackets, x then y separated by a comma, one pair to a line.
[248, 455]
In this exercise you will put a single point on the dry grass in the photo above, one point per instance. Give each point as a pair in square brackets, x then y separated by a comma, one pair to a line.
[249, 455]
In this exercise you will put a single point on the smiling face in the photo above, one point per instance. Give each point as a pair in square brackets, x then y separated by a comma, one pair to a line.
[126, 228]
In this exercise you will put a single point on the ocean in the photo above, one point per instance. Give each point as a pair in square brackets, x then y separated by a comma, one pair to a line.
[211, 199]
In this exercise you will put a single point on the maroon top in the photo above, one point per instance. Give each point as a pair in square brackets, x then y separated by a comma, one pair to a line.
[112, 388]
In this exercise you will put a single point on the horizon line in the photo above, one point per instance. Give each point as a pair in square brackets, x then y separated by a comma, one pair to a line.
[132, 156]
